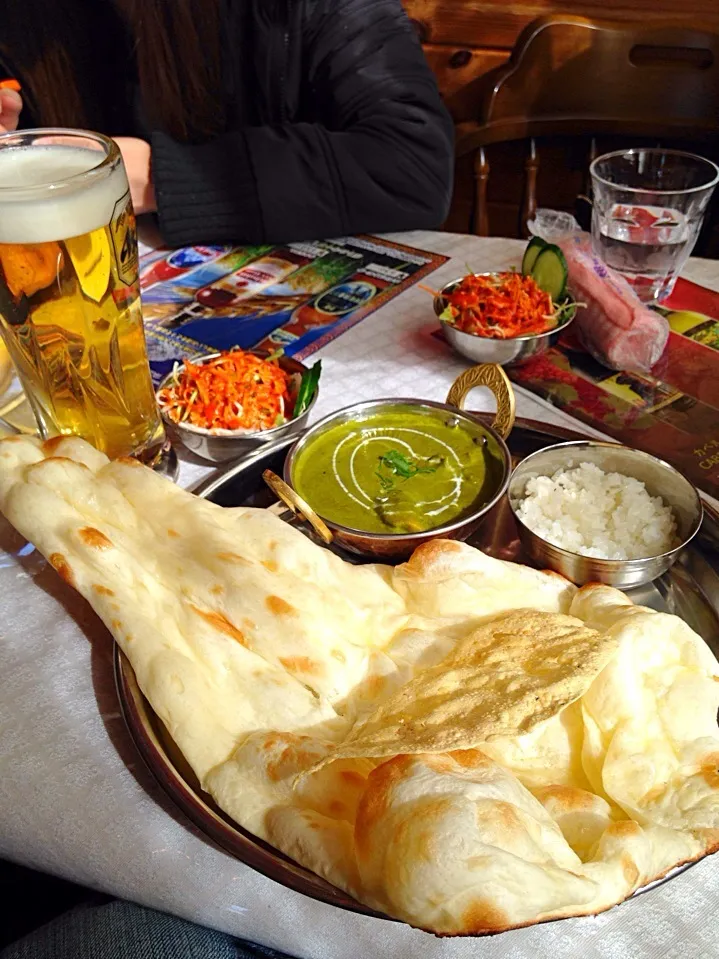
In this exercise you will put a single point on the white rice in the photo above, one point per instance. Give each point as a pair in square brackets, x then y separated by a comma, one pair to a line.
[593, 513]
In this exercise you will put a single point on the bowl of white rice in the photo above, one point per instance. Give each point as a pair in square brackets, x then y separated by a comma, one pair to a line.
[603, 513]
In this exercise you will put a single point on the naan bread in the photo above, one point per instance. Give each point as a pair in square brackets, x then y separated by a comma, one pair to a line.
[456, 839]
[232, 619]
[650, 719]
[329, 708]
[452, 582]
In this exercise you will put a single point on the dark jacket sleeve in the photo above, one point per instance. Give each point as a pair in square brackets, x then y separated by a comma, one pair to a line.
[380, 159]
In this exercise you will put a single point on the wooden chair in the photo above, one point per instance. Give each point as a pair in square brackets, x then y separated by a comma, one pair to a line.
[570, 76]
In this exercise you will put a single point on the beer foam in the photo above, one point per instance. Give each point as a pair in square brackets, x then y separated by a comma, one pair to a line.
[70, 209]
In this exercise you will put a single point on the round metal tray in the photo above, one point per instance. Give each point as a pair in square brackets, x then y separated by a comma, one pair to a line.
[690, 590]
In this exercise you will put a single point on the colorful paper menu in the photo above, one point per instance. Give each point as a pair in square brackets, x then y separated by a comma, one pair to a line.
[297, 297]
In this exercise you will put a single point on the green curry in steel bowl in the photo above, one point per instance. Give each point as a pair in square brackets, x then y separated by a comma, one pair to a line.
[388, 475]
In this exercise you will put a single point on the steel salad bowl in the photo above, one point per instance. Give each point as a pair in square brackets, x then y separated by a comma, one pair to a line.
[400, 545]
[660, 479]
[512, 351]
[230, 445]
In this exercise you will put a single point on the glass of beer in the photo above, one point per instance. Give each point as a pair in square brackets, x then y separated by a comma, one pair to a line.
[70, 311]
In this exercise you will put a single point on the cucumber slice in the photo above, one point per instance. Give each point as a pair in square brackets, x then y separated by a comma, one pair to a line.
[550, 272]
[534, 248]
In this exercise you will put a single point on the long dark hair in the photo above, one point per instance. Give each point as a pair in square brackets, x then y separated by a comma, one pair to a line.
[65, 58]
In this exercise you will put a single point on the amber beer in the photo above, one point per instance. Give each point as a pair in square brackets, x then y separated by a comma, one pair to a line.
[70, 310]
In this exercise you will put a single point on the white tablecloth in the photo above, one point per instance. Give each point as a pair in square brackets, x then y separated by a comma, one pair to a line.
[75, 800]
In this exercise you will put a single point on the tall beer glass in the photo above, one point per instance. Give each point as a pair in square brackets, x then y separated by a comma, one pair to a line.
[69, 294]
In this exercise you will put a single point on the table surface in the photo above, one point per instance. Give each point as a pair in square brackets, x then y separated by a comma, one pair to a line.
[76, 800]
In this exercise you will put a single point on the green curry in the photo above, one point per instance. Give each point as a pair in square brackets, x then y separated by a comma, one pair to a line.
[399, 470]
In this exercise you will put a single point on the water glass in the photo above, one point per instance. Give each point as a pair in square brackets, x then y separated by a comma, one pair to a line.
[648, 209]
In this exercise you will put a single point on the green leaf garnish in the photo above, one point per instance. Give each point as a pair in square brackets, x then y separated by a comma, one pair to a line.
[399, 465]
[308, 388]
[448, 314]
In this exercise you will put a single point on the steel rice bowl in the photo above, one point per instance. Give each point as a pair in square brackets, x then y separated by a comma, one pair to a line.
[512, 351]
[660, 479]
[231, 444]
[396, 546]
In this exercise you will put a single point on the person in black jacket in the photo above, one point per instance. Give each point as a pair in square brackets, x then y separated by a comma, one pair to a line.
[243, 120]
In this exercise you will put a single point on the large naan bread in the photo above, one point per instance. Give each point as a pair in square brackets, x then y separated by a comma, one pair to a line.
[460, 742]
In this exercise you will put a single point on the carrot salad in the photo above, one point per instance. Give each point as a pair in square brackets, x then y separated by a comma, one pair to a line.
[501, 305]
[233, 391]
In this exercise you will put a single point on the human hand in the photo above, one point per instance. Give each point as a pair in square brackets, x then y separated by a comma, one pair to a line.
[10, 107]
[136, 155]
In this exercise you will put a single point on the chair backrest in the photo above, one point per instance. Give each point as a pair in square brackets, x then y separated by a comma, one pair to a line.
[573, 76]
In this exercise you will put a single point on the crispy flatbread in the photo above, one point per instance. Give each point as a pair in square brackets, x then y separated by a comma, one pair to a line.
[463, 743]
[504, 679]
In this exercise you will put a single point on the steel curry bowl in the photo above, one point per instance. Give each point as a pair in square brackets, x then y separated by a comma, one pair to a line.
[480, 471]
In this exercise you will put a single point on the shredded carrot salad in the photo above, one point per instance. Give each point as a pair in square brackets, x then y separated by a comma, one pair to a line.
[501, 305]
[235, 390]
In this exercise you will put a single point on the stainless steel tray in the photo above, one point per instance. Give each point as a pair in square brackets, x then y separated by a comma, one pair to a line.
[690, 590]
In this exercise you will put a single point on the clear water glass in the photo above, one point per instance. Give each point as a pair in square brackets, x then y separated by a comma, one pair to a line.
[648, 209]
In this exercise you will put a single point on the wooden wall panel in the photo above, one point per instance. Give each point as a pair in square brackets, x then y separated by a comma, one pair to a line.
[496, 23]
